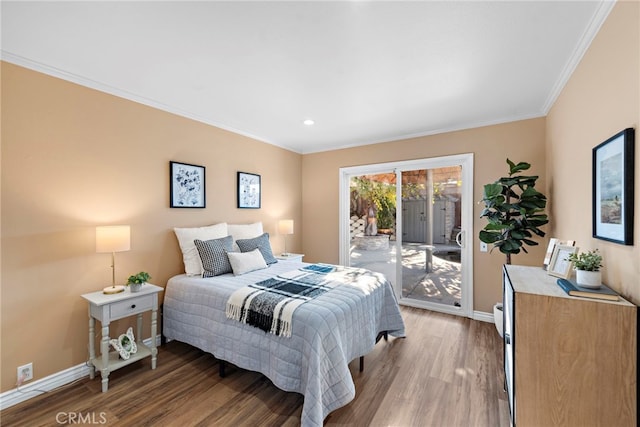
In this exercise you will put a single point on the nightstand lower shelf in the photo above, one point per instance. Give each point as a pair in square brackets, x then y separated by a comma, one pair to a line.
[115, 362]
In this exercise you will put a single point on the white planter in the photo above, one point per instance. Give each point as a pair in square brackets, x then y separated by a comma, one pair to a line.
[498, 317]
[135, 287]
[589, 279]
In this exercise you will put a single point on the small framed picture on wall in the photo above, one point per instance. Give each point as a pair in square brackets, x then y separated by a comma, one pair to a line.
[249, 190]
[187, 188]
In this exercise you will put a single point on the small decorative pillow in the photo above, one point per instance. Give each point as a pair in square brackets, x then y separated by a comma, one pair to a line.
[260, 242]
[213, 254]
[244, 262]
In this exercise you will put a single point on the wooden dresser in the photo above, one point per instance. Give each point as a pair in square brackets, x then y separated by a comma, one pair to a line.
[568, 361]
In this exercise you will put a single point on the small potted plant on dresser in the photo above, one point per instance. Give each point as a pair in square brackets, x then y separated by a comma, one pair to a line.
[136, 281]
[587, 265]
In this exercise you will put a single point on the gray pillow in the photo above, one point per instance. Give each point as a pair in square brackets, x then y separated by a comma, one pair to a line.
[213, 254]
[261, 243]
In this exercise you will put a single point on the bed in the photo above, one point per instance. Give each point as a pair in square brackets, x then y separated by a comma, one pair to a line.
[327, 332]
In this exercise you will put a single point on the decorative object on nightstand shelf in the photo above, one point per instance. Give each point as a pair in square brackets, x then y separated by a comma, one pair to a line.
[587, 265]
[125, 345]
[113, 238]
[285, 227]
[136, 281]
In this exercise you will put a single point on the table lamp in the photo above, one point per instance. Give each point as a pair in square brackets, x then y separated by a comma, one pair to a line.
[113, 238]
[285, 226]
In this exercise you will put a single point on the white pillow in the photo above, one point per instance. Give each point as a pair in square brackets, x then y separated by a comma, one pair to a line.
[244, 231]
[244, 262]
[190, 255]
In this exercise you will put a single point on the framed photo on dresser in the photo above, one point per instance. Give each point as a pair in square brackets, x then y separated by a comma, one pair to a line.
[560, 266]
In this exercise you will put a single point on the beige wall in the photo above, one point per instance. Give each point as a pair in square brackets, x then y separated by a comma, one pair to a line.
[601, 99]
[74, 158]
[491, 145]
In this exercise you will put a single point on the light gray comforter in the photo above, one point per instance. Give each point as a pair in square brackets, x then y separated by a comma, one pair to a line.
[328, 332]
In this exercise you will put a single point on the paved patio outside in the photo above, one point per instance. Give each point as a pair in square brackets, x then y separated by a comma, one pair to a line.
[441, 285]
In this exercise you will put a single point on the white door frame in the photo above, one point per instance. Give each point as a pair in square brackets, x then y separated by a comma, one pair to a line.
[466, 160]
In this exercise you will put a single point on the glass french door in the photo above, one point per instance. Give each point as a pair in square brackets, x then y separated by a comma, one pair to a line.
[372, 223]
[409, 221]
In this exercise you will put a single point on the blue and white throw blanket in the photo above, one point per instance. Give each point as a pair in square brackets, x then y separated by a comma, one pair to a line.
[269, 304]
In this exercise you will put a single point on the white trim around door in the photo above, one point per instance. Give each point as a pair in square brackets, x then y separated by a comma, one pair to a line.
[466, 237]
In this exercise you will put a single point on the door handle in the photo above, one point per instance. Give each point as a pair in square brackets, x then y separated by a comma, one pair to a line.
[459, 239]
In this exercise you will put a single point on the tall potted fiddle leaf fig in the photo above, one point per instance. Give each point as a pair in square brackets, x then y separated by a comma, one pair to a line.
[514, 210]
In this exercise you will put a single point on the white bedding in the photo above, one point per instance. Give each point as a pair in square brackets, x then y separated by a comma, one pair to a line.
[328, 332]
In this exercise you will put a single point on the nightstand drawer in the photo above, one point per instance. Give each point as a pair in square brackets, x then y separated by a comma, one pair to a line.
[131, 306]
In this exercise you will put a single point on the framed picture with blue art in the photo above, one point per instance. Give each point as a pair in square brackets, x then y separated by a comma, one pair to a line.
[613, 175]
[187, 185]
[248, 191]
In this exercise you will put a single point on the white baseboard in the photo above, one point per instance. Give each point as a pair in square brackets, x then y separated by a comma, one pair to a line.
[46, 384]
[483, 316]
[36, 388]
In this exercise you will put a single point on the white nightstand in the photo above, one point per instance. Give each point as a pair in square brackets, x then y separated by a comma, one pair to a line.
[290, 257]
[106, 308]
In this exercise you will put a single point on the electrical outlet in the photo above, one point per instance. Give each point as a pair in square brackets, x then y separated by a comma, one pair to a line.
[25, 373]
[483, 247]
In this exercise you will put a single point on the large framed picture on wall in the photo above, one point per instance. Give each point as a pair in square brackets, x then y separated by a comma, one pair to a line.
[613, 175]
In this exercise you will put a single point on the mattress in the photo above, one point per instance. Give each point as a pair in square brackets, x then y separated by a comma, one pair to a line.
[327, 332]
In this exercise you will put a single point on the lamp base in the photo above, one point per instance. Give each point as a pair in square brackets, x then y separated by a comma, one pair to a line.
[115, 289]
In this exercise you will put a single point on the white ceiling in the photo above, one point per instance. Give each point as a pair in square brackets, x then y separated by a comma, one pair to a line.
[366, 71]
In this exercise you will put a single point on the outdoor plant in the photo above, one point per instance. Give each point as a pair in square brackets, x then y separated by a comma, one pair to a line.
[139, 278]
[514, 210]
[587, 261]
[381, 196]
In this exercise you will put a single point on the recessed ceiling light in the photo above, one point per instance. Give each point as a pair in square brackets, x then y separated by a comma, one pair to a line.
[308, 122]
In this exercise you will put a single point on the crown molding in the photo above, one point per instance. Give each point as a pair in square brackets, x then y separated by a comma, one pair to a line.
[96, 85]
[598, 18]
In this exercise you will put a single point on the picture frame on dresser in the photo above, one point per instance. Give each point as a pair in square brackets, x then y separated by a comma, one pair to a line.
[612, 188]
[560, 266]
[552, 245]
[187, 185]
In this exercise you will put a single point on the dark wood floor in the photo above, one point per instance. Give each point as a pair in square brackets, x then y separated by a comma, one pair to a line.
[447, 372]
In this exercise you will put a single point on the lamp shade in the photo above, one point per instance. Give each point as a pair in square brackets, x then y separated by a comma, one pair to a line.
[113, 238]
[285, 226]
